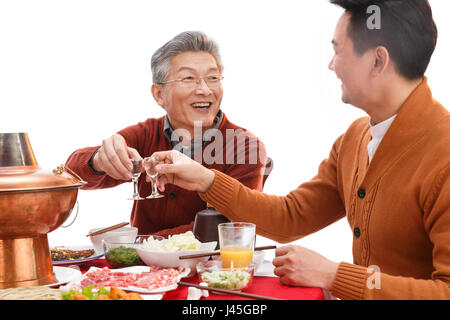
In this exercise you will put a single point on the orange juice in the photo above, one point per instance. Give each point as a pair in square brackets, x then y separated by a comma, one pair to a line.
[236, 257]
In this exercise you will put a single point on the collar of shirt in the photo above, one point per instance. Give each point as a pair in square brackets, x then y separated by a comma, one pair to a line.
[172, 136]
[377, 132]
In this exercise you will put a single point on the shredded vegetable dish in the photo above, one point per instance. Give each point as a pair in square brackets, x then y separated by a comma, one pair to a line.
[232, 280]
[177, 242]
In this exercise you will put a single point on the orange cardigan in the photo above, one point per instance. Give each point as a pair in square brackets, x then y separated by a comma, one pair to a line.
[398, 206]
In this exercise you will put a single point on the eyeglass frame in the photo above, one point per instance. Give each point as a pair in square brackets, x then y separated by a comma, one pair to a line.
[219, 80]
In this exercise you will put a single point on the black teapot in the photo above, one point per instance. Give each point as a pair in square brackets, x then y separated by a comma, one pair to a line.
[205, 225]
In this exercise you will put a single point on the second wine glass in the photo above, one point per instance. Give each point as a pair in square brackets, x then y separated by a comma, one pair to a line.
[135, 173]
[149, 165]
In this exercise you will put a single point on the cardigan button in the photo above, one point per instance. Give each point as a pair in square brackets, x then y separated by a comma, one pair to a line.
[173, 194]
[357, 232]
[361, 193]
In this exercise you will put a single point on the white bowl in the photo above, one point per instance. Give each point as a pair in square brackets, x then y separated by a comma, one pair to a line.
[216, 276]
[124, 234]
[171, 259]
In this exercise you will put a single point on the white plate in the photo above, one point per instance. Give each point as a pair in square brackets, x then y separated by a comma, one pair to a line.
[67, 276]
[64, 275]
[76, 261]
[136, 269]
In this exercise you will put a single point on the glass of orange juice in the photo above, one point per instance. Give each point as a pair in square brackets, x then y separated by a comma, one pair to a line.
[237, 242]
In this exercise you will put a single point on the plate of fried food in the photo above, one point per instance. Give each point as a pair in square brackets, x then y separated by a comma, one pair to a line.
[61, 255]
[102, 293]
[84, 293]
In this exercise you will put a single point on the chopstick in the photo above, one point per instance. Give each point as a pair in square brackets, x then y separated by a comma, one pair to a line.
[116, 226]
[216, 253]
[237, 293]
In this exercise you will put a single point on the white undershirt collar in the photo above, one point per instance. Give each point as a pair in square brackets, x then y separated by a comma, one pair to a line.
[377, 132]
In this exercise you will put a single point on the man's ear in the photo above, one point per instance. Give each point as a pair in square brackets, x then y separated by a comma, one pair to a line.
[157, 92]
[381, 60]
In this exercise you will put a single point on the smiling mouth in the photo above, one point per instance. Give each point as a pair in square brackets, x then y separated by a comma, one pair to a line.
[201, 105]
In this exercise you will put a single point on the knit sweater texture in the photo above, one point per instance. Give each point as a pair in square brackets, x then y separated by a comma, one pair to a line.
[398, 206]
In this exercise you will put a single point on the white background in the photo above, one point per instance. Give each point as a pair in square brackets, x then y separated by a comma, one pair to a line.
[75, 72]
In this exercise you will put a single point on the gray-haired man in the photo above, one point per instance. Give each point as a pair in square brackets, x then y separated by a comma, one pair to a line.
[187, 83]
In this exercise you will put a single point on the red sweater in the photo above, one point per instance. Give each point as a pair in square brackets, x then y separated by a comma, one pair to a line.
[175, 212]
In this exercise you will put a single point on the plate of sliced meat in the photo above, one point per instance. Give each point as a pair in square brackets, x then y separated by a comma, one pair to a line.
[141, 279]
[73, 254]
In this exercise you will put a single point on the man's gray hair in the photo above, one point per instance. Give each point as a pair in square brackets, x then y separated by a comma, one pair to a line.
[185, 41]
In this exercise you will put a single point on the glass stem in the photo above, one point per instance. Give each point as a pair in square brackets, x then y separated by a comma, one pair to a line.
[135, 186]
[154, 188]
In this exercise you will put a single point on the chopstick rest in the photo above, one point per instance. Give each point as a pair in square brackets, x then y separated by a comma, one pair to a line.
[196, 294]
[237, 293]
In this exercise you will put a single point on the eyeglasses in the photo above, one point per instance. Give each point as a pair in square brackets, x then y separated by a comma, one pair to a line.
[192, 82]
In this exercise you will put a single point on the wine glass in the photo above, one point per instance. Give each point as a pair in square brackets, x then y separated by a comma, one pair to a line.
[149, 165]
[135, 174]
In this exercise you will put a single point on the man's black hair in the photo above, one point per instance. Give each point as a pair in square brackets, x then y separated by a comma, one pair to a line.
[407, 31]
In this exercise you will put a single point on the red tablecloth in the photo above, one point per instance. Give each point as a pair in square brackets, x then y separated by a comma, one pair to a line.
[265, 286]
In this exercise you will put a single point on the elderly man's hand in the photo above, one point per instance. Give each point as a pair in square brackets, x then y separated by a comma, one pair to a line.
[176, 168]
[298, 266]
[114, 158]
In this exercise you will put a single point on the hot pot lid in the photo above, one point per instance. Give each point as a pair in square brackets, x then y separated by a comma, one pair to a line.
[20, 171]
[33, 178]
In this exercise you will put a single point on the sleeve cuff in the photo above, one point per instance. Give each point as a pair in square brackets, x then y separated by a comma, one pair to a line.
[91, 164]
[350, 282]
[221, 192]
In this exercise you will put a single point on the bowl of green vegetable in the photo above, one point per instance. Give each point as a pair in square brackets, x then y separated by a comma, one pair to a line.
[214, 275]
[123, 254]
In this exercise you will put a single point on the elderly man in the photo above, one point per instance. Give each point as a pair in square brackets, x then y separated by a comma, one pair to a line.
[187, 83]
[388, 174]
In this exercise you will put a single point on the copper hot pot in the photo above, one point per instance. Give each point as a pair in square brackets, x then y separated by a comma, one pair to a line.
[33, 202]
